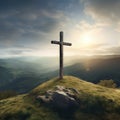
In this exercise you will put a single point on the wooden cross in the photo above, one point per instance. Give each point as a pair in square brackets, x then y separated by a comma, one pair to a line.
[61, 43]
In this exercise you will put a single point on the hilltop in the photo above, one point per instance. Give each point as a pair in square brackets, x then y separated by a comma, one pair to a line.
[95, 103]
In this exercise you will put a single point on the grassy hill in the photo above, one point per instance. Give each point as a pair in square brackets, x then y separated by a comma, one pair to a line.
[96, 103]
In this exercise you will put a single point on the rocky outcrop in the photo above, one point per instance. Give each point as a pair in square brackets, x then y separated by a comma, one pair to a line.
[61, 98]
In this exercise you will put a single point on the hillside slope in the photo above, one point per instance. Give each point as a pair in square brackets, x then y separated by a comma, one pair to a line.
[95, 103]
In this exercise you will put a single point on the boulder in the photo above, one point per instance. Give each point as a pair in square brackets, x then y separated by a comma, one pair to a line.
[60, 98]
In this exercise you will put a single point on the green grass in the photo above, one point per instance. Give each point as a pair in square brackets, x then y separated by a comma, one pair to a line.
[23, 108]
[96, 102]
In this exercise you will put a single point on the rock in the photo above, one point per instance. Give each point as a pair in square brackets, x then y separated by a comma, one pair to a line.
[74, 90]
[44, 99]
[62, 101]
[60, 98]
[58, 87]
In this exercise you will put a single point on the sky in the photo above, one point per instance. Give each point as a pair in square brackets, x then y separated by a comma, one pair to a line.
[28, 26]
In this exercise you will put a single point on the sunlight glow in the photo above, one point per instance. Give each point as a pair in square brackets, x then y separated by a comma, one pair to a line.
[87, 40]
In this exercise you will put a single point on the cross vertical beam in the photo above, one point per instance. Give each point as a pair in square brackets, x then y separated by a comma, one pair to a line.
[61, 43]
[61, 56]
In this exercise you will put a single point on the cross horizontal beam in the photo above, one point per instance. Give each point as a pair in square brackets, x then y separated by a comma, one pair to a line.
[55, 42]
[64, 43]
[67, 44]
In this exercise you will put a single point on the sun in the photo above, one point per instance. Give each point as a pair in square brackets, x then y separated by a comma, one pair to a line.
[87, 39]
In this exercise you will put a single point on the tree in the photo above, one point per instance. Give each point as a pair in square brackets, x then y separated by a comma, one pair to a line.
[108, 83]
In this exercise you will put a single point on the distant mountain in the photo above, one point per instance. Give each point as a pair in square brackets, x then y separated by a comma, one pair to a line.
[95, 103]
[5, 76]
[23, 74]
[94, 70]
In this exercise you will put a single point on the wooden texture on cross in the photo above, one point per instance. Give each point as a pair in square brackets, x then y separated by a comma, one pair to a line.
[61, 43]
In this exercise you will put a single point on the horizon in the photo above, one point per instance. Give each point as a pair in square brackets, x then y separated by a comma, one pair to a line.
[57, 56]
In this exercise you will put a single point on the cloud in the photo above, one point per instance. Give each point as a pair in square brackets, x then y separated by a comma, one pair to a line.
[115, 50]
[29, 25]
[106, 11]
[27, 22]
[97, 49]
[14, 52]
